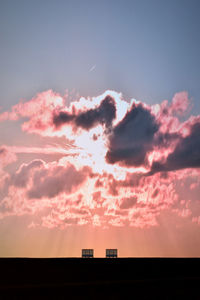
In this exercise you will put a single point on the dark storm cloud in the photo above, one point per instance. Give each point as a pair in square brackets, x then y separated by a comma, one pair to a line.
[133, 137]
[104, 114]
[185, 155]
[62, 118]
[165, 139]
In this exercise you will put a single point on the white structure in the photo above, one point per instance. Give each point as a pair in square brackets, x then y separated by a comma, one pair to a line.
[111, 253]
[87, 253]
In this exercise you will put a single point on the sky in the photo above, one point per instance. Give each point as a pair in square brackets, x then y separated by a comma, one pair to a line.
[99, 128]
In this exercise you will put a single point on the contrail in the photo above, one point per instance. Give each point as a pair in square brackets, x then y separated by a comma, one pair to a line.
[92, 69]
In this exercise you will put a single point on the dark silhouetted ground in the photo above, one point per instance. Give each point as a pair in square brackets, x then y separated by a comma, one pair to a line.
[100, 278]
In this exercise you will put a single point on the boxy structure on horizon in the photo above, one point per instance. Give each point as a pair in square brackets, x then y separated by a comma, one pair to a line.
[87, 253]
[111, 253]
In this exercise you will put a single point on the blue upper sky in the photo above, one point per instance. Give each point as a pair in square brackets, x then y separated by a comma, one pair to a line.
[145, 49]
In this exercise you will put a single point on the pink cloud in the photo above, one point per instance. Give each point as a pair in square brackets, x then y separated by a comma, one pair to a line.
[6, 156]
[180, 104]
[38, 110]
[122, 167]
[50, 182]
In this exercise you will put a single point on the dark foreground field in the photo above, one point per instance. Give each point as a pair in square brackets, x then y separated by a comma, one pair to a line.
[100, 278]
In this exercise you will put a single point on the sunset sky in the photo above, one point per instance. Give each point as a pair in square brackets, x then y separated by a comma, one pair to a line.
[99, 127]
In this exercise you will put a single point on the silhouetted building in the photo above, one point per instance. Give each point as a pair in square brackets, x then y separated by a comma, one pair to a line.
[111, 253]
[87, 253]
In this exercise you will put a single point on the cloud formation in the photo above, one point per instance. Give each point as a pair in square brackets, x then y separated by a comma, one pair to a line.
[103, 114]
[128, 202]
[120, 163]
[185, 155]
[132, 138]
[50, 182]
